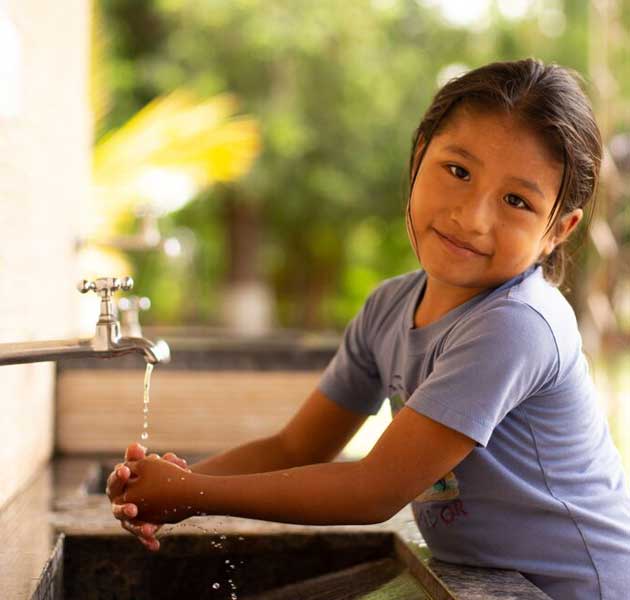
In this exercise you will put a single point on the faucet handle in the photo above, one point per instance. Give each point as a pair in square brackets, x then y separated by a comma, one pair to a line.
[105, 286]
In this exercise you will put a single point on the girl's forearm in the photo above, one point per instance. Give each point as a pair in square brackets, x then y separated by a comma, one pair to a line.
[258, 456]
[320, 494]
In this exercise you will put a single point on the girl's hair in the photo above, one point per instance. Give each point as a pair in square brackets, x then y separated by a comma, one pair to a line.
[550, 102]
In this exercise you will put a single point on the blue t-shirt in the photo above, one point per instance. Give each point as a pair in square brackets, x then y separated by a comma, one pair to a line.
[543, 492]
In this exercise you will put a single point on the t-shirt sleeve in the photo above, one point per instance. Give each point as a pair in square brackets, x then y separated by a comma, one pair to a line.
[352, 379]
[489, 365]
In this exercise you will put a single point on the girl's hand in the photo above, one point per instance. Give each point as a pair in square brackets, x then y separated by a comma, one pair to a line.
[125, 512]
[158, 489]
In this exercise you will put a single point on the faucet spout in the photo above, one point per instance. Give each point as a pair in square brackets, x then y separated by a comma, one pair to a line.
[106, 343]
[52, 350]
[153, 352]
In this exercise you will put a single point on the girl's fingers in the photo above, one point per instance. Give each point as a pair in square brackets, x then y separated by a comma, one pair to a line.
[131, 528]
[173, 458]
[134, 470]
[123, 473]
[152, 545]
[124, 511]
[140, 528]
[149, 529]
[135, 451]
[116, 483]
[149, 541]
[112, 487]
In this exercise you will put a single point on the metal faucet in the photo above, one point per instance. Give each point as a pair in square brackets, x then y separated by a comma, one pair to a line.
[106, 343]
[149, 238]
[128, 309]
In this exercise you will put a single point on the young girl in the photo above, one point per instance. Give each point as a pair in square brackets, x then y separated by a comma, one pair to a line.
[496, 437]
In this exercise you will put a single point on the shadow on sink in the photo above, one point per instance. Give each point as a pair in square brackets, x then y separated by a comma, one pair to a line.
[288, 566]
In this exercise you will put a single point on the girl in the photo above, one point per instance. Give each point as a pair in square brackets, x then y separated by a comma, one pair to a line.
[496, 437]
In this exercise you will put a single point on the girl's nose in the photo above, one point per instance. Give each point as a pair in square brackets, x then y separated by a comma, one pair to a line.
[473, 214]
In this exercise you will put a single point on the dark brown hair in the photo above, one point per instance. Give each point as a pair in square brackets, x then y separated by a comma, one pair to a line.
[550, 102]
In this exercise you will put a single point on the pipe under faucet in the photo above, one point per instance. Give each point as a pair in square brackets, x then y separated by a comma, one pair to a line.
[106, 342]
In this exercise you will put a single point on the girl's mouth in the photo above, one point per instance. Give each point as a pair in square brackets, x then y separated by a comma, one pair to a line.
[455, 249]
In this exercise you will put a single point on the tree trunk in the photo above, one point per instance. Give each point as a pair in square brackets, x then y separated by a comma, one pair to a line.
[247, 299]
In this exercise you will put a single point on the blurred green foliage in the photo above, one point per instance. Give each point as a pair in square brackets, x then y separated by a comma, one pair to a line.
[338, 89]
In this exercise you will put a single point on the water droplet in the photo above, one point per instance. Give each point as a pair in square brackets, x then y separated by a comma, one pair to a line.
[174, 510]
[201, 493]
[223, 537]
[146, 425]
[144, 435]
[233, 596]
[227, 560]
[183, 478]
[216, 586]
[169, 479]
[232, 567]
[240, 537]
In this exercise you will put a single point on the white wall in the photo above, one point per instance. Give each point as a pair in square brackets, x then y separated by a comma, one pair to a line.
[45, 141]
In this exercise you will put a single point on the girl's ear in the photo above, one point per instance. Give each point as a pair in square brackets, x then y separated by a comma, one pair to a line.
[563, 229]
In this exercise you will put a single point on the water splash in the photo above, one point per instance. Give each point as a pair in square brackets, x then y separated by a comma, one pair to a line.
[229, 563]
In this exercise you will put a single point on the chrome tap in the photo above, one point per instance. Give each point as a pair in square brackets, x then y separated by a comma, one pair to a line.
[148, 238]
[128, 309]
[106, 343]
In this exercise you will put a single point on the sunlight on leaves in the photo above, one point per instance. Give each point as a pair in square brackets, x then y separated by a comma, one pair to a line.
[177, 142]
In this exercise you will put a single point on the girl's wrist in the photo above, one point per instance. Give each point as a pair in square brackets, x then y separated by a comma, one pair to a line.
[194, 496]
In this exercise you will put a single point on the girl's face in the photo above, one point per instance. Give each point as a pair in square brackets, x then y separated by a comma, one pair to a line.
[488, 183]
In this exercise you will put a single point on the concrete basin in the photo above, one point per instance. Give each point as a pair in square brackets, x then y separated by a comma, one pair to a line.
[288, 566]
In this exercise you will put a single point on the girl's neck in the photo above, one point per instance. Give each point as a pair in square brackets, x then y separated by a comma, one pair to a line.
[439, 299]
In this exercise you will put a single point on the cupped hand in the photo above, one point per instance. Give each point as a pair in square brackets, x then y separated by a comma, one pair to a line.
[126, 511]
[160, 490]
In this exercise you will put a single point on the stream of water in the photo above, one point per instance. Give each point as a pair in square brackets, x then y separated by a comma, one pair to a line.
[145, 435]
[145, 411]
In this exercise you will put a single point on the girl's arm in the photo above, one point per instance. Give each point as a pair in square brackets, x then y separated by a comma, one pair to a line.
[317, 433]
[410, 456]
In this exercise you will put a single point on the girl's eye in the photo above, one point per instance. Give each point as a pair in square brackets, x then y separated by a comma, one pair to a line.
[522, 205]
[449, 167]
